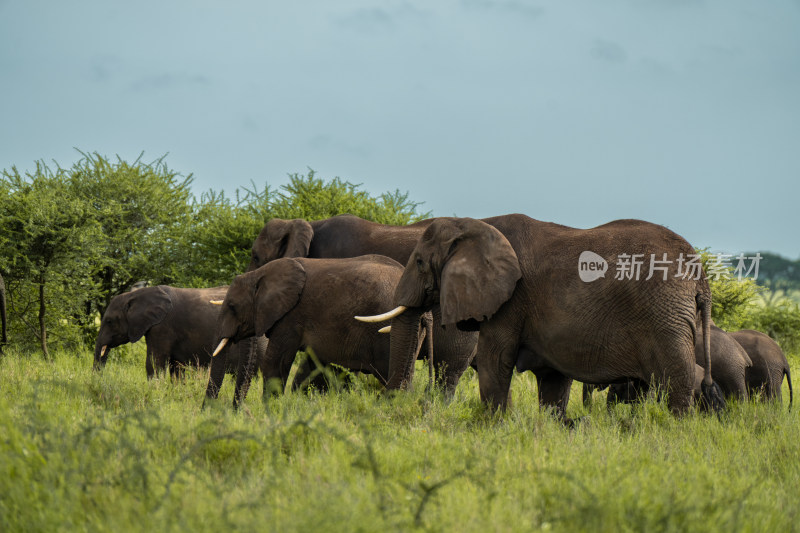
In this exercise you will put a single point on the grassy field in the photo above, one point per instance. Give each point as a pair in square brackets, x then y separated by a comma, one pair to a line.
[85, 451]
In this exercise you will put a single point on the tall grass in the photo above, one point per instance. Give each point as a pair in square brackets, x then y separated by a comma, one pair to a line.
[90, 451]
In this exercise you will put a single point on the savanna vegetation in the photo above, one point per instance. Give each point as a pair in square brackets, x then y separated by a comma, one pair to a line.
[73, 238]
[90, 451]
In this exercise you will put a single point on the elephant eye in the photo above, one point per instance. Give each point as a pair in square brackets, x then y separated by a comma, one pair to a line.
[420, 264]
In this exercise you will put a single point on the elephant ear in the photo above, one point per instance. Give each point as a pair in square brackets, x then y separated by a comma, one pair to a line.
[145, 310]
[479, 274]
[294, 238]
[280, 285]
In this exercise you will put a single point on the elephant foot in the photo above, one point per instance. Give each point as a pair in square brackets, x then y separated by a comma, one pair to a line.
[572, 423]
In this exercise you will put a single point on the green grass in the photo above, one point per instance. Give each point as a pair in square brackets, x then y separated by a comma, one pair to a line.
[107, 451]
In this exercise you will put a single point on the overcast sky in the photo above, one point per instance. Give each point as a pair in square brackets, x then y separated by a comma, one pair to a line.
[680, 112]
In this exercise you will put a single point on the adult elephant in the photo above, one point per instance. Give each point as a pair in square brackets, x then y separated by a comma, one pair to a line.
[177, 324]
[729, 365]
[301, 304]
[769, 364]
[345, 236]
[518, 280]
[4, 339]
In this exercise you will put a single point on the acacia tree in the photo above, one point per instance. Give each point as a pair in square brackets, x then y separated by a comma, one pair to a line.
[217, 241]
[47, 240]
[312, 198]
[141, 209]
[74, 238]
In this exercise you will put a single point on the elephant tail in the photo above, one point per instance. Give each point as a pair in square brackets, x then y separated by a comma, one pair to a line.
[712, 394]
[789, 381]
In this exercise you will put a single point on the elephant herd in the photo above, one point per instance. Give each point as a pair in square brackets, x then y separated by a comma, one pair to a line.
[500, 294]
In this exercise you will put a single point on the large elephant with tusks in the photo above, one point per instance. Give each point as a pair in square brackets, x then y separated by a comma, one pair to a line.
[517, 281]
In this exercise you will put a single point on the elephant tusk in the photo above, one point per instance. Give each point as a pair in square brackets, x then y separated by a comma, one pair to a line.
[397, 311]
[216, 302]
[385, 329]
[103, 350]
[222, 344]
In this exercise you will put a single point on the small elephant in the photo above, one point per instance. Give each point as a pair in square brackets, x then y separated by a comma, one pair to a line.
[301, 304]
[729, 364]
[769, 364]
[178, 325]
[517, 280]
[634, 390]
[345, 236]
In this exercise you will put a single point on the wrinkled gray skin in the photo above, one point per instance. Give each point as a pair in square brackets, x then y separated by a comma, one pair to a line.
[516, 279]
[729, 364]
[177, 324]
[301, 304]
[350, 236]
[769, 365]
[4, 339]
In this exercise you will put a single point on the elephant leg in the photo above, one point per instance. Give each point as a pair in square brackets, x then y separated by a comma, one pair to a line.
[668, 362]
[628, 392]
[588, 390]
[149, 364]
[586, 395]
[216, 375]
[774, 389]
[453, 351]
[679, 384]
[496, 357]
[244, 372]
[310, 375]
[277, 362]
[553, 390]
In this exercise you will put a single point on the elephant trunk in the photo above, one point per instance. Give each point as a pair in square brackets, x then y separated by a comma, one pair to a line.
[219, 364]
[405, 345]
[101, 349]
[246, 369]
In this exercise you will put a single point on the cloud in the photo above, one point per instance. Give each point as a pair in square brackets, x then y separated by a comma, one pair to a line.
[102, 68]
[609, 51]
[364, 19]
[324, 142]
[514, 7]
[380, 19]
[167, 81]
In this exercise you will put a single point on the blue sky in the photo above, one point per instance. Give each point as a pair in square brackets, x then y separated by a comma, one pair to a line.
[681, 112]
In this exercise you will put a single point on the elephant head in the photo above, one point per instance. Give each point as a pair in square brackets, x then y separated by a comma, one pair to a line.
[257, 300]
[466, 266]
[128, 318]
[281, 238]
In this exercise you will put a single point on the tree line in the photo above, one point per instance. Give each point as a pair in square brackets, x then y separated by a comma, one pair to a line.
[73, 238]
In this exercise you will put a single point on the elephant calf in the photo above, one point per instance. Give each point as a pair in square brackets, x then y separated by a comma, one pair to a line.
[769, 364]
[729, 366]
[302, 303]
[177, 324]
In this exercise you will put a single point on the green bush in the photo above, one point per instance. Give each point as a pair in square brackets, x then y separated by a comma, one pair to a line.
[733, 298]
[779, 320]
[73, 238]
[739, 304]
